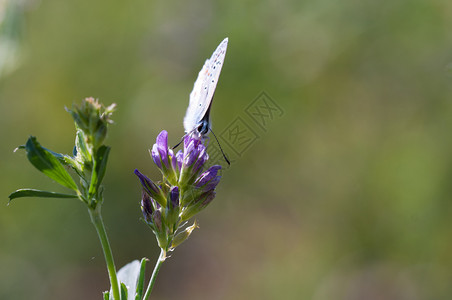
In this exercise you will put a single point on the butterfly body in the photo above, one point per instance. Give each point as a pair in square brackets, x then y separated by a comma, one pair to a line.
[197, 118]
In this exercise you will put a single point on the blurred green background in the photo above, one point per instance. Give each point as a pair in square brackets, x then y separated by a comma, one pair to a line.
[346, 195]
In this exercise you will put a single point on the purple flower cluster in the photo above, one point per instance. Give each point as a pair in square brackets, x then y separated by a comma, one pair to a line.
[184, 191]
[183, 167]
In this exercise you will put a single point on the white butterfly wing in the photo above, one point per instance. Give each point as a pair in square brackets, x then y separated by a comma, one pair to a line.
[204, 88]
[195, 107]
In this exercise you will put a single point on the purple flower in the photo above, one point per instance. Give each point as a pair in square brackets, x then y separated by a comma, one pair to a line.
[146, 206]
[202, 158]
[179, 158]
[206, 198]
[159, 151]
[164, 157]
[157, 218]
[211, 185]
[209, 179]
[174, 162]
[152, 189]
[191, 160]
[193, 150]
[174, 197]
[186, 188]
[148, 185]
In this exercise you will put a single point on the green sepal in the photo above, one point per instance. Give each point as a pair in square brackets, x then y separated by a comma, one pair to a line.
[183, 236]
[187, 177]
[140, 280]
[47, 163]
[161, 232]
[124, 291]
[100, 133]
[190, 196]
[172, 216]
[77, 115]
[191, 211]
[151, 225]
[38, 193]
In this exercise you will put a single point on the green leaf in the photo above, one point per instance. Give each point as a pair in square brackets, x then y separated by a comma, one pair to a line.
[123, 292]
[101, 163]
[63, 158]
[48, 164]
[128, 276]
[38, 193]
[67, 160]
[141, 278]
[106, 295]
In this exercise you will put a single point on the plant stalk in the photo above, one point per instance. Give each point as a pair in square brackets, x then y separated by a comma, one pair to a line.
[96, 218]
[158, 264]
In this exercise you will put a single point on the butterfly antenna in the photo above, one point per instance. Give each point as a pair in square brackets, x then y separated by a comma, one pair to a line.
[181, 140]
[224, 155]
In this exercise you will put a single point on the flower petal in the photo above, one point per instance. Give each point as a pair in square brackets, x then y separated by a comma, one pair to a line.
[162, 146]
[207, 176]
[146, 206]
[148, 185]
[156, 156]
[179, 157]
[173, 160]
[174, 196]
[162, 140]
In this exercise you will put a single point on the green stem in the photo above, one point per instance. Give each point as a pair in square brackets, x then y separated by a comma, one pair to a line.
[158, 264]
[96, 218]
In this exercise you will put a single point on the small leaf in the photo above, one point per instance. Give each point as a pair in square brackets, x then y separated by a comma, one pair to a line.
[48, 164]
[83, 152]
[128, 275]
[124, 292]
[106, 295]
[38, 193]
[141, 278]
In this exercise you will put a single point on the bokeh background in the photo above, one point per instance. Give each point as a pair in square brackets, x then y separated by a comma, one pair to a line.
[346, 194]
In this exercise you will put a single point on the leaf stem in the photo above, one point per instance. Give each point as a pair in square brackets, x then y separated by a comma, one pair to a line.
[158, 264]
[96, 218]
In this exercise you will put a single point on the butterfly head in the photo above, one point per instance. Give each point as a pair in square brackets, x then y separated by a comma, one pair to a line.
[203, 127]
[200, 131]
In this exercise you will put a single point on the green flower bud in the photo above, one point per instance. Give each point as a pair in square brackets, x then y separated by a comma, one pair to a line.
[92, 118]
[184, 235]
[197, 205]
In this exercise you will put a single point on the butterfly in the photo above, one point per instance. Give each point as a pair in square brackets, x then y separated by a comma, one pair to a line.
[197, 118]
